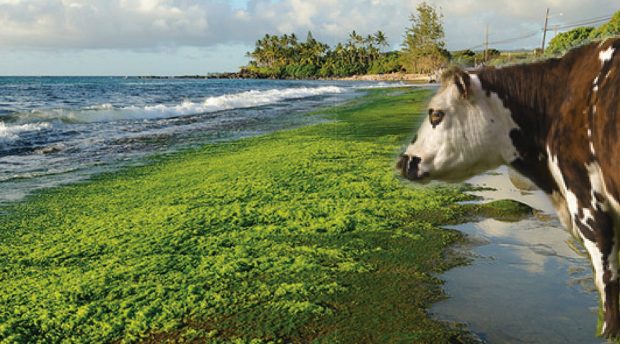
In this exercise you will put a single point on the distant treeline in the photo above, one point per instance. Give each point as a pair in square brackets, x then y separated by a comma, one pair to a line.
[582, 35]
[423, 51]
[286, 56]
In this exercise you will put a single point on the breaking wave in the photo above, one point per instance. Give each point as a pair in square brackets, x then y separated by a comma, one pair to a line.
[10, 133]
[248, 99]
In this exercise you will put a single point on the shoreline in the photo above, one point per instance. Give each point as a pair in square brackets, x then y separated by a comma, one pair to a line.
[299, 235]
[214, 114]
[418, 78]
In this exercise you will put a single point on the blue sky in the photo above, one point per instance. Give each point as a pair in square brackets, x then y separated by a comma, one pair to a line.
[175, 37]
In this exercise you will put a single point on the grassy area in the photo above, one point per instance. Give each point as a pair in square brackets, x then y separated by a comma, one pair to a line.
[304, 235]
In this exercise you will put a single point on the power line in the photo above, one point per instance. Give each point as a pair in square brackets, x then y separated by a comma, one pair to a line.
[508, 40]
[588, 21]
[605, 17]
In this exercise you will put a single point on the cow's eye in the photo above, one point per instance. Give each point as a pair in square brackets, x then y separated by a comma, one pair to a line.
[435, 117]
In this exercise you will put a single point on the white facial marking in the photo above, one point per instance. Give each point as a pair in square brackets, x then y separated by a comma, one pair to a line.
[473, 137]
[606, 55]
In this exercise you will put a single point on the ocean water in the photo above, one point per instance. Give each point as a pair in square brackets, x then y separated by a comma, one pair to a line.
[55, 130]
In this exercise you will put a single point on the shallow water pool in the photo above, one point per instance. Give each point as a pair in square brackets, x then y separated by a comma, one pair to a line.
[528, 282]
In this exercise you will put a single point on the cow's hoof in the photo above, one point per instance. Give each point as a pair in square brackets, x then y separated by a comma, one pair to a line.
[611, 329]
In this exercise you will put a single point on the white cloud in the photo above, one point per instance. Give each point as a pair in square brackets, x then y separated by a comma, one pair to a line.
[149, 24]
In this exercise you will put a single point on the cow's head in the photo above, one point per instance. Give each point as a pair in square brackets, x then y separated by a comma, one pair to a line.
[467, 132]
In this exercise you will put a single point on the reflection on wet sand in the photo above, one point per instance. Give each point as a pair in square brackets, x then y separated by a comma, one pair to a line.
[528, 282]
[534, 242]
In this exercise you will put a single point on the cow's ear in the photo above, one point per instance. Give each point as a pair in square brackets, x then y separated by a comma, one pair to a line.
[463, 83]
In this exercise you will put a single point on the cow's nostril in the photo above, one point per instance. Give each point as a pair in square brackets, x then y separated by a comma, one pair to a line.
[409, 166]
[414, 165]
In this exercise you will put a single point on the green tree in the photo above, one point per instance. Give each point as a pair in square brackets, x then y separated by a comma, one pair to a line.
[609, 29]
[355, 39]
[423, 47]
[286, 57]
[312, 51]
[381, 40]
[566, 40]
[464, 58]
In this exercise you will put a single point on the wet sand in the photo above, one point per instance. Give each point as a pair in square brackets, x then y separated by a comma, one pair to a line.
[528, 282]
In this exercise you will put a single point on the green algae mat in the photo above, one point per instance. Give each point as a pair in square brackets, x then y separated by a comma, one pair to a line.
[301, 236]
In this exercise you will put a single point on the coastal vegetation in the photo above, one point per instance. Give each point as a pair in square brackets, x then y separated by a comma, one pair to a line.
[304, 235]
[565, 41]
[422, 51]
[285, 56]
[558, 45]
[424, 47]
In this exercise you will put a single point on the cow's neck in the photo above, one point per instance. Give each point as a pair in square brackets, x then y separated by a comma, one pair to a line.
[527, 91]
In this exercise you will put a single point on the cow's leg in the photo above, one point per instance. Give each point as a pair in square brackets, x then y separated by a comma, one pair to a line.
[561, 209]
[612, 292]
[600, 240]
[603, 251]
[606, 281]
[583, 194]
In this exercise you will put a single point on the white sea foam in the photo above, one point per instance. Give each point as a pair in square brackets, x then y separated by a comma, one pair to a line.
[9, 133]
[385, 85]
[106, 106]
[107, 112]
[397, 84]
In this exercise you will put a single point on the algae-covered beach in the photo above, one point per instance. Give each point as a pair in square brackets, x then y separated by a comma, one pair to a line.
[304, 235]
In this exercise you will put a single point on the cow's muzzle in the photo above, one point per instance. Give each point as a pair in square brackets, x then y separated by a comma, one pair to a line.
[409, 167]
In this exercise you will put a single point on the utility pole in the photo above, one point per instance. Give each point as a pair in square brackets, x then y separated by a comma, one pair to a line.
[486, 44]
[542, 47]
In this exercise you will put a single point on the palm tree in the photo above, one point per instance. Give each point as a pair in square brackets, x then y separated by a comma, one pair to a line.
[356, 39]
[370, 50]
[293, 39]
[312, 51]
[381, 40]
[271, 50]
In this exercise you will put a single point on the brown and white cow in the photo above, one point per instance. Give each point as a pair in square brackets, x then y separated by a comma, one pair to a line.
[556, 122]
